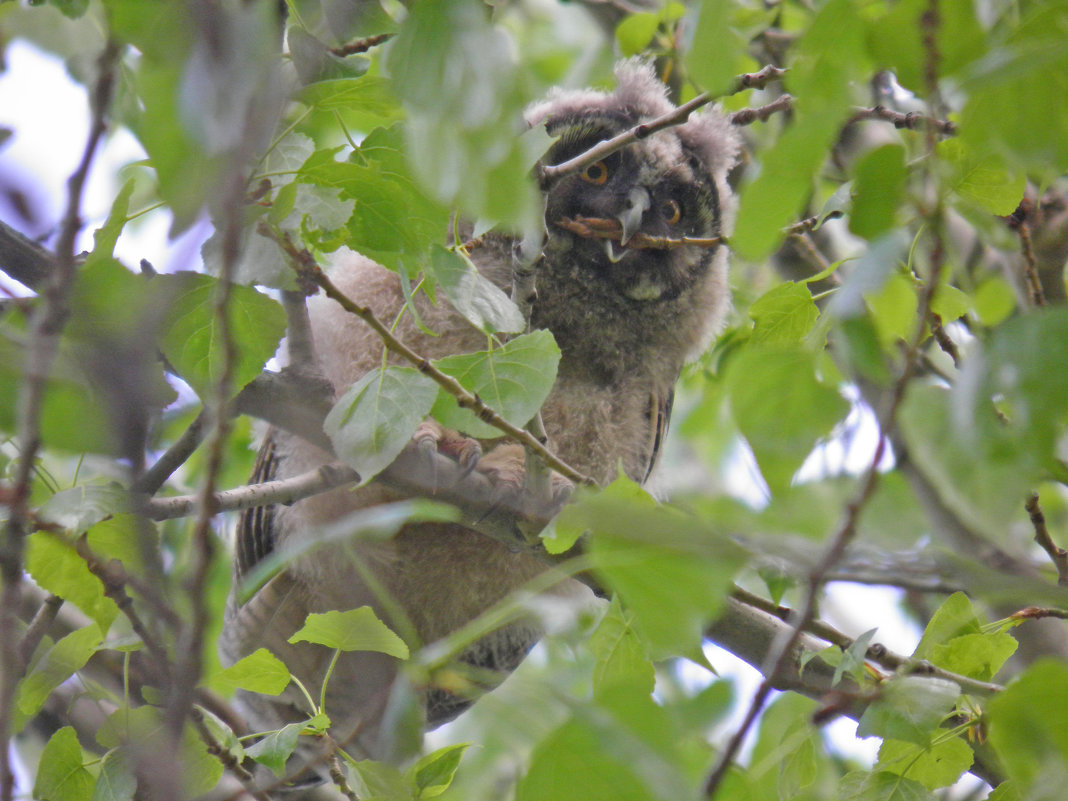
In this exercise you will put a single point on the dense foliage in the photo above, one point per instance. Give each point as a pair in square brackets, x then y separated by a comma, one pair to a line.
[898, 257]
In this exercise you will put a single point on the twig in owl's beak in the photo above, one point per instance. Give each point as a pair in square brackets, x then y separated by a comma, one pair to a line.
[601, 228]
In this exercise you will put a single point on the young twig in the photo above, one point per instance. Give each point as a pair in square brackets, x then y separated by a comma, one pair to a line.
[1035, 293]
[747, 116]
[1057, 555]
[305, 265]
[150, 481]
[911, 120]
[217, 750]
[678, 116]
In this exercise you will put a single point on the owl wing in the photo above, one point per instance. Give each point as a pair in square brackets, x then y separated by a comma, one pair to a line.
[660, 404]
[255, 527]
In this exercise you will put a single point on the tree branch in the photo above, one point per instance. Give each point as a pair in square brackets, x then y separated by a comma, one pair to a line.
[1057, 555]
[551, 172]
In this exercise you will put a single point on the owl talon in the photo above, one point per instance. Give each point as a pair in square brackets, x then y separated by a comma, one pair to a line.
[433, 438]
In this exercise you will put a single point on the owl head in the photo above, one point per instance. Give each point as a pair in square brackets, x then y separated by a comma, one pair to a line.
[668, 186]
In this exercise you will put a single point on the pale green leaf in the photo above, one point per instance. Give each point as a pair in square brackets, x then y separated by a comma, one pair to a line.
[514, 380]
[61, 772]
[259, 672]
[937, 765]
[479, 300]
[57, 567]
[193, 342]
[352, 630]
[116, 780]
[55, 666]
[433, 773]
[621, 657]
[372, 422]
[783, 315]
[275, 749]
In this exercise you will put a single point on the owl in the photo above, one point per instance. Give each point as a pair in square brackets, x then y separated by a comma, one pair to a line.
[627, 301]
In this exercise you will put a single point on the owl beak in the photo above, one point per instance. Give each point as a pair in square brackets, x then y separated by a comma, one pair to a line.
[631, 218]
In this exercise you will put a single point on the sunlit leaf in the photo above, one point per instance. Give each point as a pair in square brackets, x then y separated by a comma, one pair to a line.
[352, 630]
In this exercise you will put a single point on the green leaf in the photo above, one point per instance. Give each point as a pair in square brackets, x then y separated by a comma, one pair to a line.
[909, 708]
[981, 178]
[514, 380]
[352, 630]
[192, 340]
[636, 31]
[783, 315]
[937, 765]
[259, 672]
[1028, 727]
[621, 657]
[478, 299]
[994, 300]
[893, 309]
[954, 618]
[879, 186]
[1016, 94]
[116, 781]
[598, 756]
[274, 750]
[979, 656]
[376, 417]
[781, 407]
[673, 571]
[57, 568]
[55, 666]
[368, 96]
[78, 508]
[709, 58]
[881, 786]
[105, 237]
[433, 773]
[61, 772]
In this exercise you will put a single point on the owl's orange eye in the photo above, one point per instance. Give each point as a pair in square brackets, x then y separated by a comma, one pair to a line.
[671, 211]
[596, 173]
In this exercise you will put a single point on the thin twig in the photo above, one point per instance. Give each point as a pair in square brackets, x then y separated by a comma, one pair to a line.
[1039, 612]
[678, 116]
[35, 632]
[149, 482]
[1035, 293]
[911, 120]
[1057, 555]
[305, 265]
[43, 346]
[285, 491]
[747, 116]
[360, 45]
[815, 221]
[948, 346]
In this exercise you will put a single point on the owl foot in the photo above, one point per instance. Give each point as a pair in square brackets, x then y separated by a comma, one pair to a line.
[433, 438]
[505, 466]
